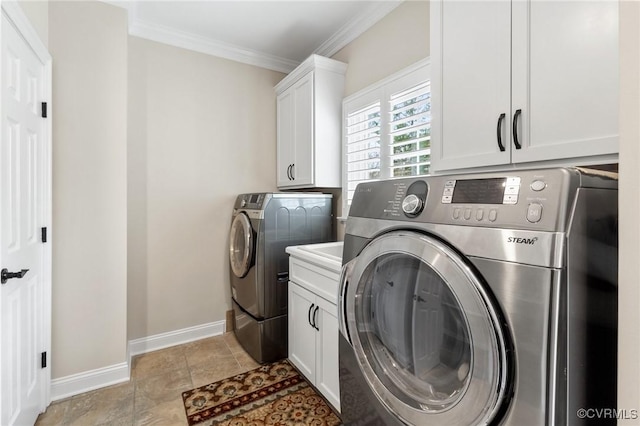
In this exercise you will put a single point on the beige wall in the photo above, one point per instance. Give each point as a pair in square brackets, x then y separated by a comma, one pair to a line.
[398, 40]
[88, 42]
[38, 14]
[629, 271]
[178, 273]
[201, 131]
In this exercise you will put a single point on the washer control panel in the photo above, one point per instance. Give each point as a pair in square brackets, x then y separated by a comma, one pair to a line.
[518, 199]
[493, 199]
[250, 201]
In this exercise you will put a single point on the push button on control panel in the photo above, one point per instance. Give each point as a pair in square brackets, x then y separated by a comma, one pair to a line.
[511, 191]
[538, 185]
[493, 215]
[534, 212]
[467, 214]
[447, 194]
[479, 214]
[510, 199]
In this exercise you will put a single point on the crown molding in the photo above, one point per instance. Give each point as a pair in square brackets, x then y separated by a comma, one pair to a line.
[354, 28]
[166, 35]
[208, 46]
[313, 62]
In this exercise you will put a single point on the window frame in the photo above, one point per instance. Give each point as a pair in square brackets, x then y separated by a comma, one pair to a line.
[380, 91]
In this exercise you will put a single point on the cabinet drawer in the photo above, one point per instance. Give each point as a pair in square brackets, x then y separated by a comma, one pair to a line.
[318, 280]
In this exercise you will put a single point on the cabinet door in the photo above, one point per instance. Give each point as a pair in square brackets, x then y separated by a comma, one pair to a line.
[303, 131]
[302, 336]
[285, 137]
[327, 376]
[471, 58]
[565, 78]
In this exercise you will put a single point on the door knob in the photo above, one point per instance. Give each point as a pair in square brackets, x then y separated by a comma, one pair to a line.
[6, 275]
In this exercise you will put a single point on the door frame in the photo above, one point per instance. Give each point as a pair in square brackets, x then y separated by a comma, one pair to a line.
[14, 13]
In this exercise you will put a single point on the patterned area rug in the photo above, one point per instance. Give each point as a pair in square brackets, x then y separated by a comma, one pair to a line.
[273, 394]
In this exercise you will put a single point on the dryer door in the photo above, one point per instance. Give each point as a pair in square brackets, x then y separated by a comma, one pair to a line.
[427, 336]
[241, 244]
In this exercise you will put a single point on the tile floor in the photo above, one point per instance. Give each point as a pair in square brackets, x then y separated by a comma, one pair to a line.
[153, 396]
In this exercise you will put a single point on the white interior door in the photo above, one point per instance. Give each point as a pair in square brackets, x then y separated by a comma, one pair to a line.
[24, 211]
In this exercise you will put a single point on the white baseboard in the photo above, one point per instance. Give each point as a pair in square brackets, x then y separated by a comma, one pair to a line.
[173, 338]
[75, 384]
[89, 380]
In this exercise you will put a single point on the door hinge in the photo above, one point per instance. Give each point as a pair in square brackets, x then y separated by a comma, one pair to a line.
[44, 110]
[44, 234]
[43, 360]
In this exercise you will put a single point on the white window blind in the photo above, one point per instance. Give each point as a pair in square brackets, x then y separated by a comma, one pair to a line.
[363, 146]
[409, 131]
[387, 130]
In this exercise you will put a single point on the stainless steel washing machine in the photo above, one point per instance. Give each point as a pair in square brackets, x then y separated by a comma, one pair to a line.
[480, 299]
[263, 225]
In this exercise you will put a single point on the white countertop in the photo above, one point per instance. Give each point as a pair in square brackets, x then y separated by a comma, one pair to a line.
[324, 255]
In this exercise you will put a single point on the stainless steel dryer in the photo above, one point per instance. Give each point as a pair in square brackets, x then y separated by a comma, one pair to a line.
[263, 225]
[480, 299]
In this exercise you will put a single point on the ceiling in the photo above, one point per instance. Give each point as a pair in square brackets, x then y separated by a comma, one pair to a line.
[277, 35]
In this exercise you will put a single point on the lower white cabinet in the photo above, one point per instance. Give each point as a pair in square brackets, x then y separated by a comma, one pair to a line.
[313, 340]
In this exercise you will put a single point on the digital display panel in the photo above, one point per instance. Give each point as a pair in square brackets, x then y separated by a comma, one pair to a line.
[479, 191]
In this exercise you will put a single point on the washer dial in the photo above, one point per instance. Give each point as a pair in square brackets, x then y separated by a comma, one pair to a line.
[412, 205]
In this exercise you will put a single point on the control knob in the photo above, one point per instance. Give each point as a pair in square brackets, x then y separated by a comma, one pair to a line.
[412, 205]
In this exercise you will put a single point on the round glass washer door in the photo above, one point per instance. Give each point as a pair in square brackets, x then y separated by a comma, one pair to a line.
[426, 334]
[240, 245]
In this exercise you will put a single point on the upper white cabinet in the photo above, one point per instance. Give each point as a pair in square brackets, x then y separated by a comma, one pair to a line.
[523, 82]
[308, 124]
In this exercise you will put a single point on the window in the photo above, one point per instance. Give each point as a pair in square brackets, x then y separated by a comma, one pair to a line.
[387, 130]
